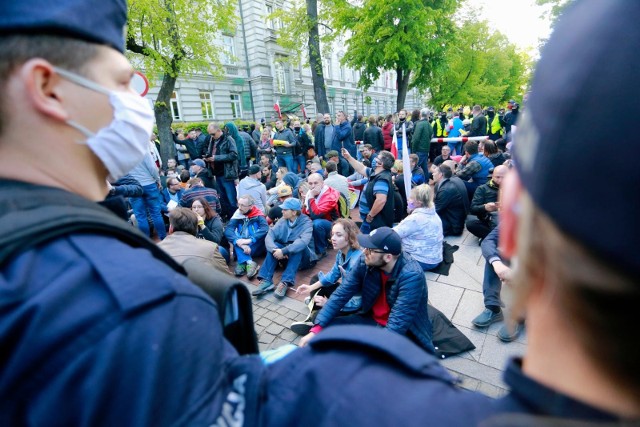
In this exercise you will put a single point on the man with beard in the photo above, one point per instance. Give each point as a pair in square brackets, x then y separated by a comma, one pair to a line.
[408, 125]
[485, 205]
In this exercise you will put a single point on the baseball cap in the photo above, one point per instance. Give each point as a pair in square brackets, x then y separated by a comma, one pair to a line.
[554, 160]
[284, 191]
[199, 162]
[291, 204]
[383, 238]
[491, 109]
[95, 21]
[332, 153]
[254, 169]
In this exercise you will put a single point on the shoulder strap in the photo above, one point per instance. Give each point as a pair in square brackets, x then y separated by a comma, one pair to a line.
[31, 215]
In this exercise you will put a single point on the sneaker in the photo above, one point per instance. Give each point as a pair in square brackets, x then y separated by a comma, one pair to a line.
[281, 290]
[307, 300]
[240, 270]
[252, 269]
[486, 318]
[509, 333]
[301, 328]
[264, 287]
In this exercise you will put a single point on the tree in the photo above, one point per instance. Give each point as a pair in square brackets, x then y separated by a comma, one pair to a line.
[173, 37]
[408, 36]
[557, 7]
[481, 67]
[300, 27]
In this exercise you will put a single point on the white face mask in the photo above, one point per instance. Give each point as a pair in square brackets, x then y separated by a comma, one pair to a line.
[123, 143]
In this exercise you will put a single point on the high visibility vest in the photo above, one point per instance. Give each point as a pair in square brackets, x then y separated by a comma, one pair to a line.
[493, 127]
[440, 132]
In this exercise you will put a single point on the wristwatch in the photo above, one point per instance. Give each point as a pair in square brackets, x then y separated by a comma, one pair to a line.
[369, 218]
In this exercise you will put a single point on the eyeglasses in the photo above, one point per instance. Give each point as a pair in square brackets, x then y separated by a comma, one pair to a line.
[369, 250]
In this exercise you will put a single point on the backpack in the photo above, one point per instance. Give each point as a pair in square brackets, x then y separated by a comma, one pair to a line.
[343, 207]
[31, 215]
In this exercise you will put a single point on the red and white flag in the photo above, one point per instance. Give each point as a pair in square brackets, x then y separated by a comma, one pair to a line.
[276, 107]
[406, 166]
[304, 112]
[394, 144]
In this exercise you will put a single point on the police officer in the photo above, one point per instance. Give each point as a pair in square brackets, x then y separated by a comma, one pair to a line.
[576, 277]
[93, 332]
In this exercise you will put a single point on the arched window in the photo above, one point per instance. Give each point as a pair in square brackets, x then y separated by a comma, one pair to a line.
[281, 78]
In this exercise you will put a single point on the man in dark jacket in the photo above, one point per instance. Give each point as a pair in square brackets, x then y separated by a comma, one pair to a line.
[222, 158]
[358, 126]
[421, 140]
[342, 135]
[285, 146]
[485, 205]
[397, 129]
[373, 135]
[393, 288]
[479, 123]
[323, 136]
[452, 203]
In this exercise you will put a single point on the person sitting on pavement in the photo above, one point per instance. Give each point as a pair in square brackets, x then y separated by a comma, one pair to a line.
[251, 185]
[335, 180]
[341, 162]
[196, 190]
[492, 153]
[344, 238]
[275, 212]
[209, 223]
[378, 200]
[268, 177]
[321, 205]
[246, 231]
[444, 155]
[421, 231]
[289, 241]
[452, 203]
[171, 194]
[182, 243]
[476, 168]
[485, 205]
[496, 271]
[393, 289]
[292, 180]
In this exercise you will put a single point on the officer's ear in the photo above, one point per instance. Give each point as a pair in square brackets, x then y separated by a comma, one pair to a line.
[43, 89]
[510, 207]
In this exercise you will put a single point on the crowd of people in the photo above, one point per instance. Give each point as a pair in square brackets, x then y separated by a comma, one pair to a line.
[100, 326]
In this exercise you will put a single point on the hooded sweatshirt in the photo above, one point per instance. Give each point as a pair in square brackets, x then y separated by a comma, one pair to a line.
[254, 188]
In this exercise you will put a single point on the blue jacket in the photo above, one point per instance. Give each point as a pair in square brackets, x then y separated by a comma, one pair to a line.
[346, 262]
[406, 292]
[481, 176]
[85, 342]
[297, 238]
[166, 198]
[342, 135]
[243, 227]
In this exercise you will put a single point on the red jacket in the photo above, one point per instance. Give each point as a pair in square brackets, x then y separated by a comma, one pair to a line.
[386, 134]
[325, 207]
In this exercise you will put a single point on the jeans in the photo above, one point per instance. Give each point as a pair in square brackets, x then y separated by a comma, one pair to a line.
[257, 249]
[225, 254]
[321, 233]
[427, 267]
[456, 148]
[300, 162]
[227, 189]
[287, 160]
[423, 162]
[365, 228]
[491, 287]
[149, 202]
[295, 262]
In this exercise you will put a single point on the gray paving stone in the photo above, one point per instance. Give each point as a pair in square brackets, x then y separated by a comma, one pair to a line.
[281, 320]
[471, 304]
[467, 382]
[293, 304]
[456, 240]
[431, 277]
[466, 258]
[444, 297]
[271, 315]
[477, 338]
[274, 329]
[266, 338]
[288, 335]
[461, 278]
[263, 347]
[495, 353]
[282, 310]
[278, 342]
[475, 370]
[263, 321]
[491, 390]
[258, 329]
[259, 311]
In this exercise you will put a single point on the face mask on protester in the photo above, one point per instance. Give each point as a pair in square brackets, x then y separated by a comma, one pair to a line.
[123, 143]
[411, 205]
[297, 128]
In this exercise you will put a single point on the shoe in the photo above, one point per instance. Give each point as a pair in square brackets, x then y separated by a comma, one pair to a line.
[509, 333]
[281, 290]
[240, 270]
[264, 287]
[252, 269]
[307, 300]
[301, 328]
[486, 318]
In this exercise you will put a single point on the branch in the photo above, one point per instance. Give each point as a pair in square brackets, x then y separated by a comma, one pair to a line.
[326, 26]
[134, 47]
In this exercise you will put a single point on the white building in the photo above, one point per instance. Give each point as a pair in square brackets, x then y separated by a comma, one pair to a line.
[258, 73]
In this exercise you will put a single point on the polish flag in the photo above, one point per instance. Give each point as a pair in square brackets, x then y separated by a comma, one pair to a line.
[394, 144]
[276, 107]
[406, 166]
[304, 112]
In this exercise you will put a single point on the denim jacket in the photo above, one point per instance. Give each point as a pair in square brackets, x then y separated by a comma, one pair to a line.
[347, 263]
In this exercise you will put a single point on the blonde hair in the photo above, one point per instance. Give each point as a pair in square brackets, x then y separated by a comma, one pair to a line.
[423, 194]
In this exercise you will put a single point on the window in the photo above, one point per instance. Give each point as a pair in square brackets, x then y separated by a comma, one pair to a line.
[326, 68]
[342, 77]
[175, 106]
[281, 78]
[269, 20]
[344, 105]
[229, 50]
[206, 105]
[332, 105]
[236, 106]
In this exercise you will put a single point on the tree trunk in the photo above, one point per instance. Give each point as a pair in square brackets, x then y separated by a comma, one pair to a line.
[315, 59]
[403, 86]
[164, 118]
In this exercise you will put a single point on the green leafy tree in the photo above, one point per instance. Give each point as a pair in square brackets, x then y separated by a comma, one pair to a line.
[557, 7]
[481, 67]
[408, 36]
[173, 37]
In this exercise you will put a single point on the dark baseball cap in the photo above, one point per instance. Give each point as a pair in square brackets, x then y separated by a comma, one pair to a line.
[199, 162]
[254, 169]
[383, 238]
[96, 21]
[576, 96]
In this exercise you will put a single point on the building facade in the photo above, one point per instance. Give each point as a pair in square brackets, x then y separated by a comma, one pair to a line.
[258, 73]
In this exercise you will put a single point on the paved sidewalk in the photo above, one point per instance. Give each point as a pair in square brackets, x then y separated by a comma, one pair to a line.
[458, 296]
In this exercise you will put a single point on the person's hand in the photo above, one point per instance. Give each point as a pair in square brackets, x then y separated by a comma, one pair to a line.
[243, 242]
[320, 300]
[303, 289]
[490, 207]
[345, 154]
[305, 339]
[277, 254]
[209, 159]
[503, 271]
[246, 249]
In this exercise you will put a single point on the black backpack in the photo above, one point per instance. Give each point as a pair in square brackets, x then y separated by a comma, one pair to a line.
[31, 215]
